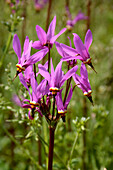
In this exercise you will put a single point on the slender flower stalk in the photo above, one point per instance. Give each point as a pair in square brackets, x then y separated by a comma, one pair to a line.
[8, 41]
[72, 150]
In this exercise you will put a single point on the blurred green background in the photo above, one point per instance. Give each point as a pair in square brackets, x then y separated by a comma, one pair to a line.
[19, 137]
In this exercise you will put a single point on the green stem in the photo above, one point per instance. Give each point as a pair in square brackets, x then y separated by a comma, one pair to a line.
[72, 150]
[25, 151]
[8, 42]
[6, 48]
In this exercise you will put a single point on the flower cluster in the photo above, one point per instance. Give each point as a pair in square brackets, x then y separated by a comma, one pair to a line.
[71, 22]
[49, 97]
[39, 4]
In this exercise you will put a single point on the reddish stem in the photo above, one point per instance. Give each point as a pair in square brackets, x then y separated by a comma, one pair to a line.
[51, 147]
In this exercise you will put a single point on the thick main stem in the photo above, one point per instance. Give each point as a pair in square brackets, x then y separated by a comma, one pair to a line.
[51, 147]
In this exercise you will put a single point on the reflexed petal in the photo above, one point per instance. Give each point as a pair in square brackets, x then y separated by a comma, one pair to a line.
[59, 101]
[69, 74]
[22, 80]
[76, 79]
[41, 88]
[41, 35]
[72, 58]
[80, 46]
[58, 73]
[45, 65]
[37, 56]
[69, 41]
[26, 54]
[52, 74]
[37, 45]
[26, 43]
[51, 29]
[80, 16]
[68, 98]
[44, 73]
[88, 39]
[17, 46]
[28, 71]
[69, 50]
[34, 85]
[59, 49]
[83, 71]
[53, 39]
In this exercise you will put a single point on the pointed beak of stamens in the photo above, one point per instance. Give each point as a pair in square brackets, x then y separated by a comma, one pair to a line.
[91, 65]
[90, 99]
[16, 75]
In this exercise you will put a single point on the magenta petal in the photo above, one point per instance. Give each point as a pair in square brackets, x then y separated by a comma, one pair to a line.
[76, 78]
[41, 35]
[69, 41]
[80, 16]
[37, 56]
[27, 71]
[22, 80]
[26, 44]
[26, 54]
[37, 45]
[52, 75]
[51, 29]
[45, 65]
[53, 39]
[72, 58]
[69, 50]
[59, 49]
[44, 73]
[58, 73]
[26, 100]
[59, 101]
[68, 74]
[83, 71]
[88, 39]
[17, 46]
[68, 98]
[80, 46]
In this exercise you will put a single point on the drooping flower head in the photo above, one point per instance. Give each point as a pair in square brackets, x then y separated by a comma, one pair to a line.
[22, 60]
[83, 82]
[38, 91]
[65, 56]
[62, 107]
[46, 40]
[71, 22]
[81, 52]
[25, 59]
[39, 4]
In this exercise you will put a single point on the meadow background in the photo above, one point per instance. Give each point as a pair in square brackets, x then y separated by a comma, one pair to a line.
[19, 138]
